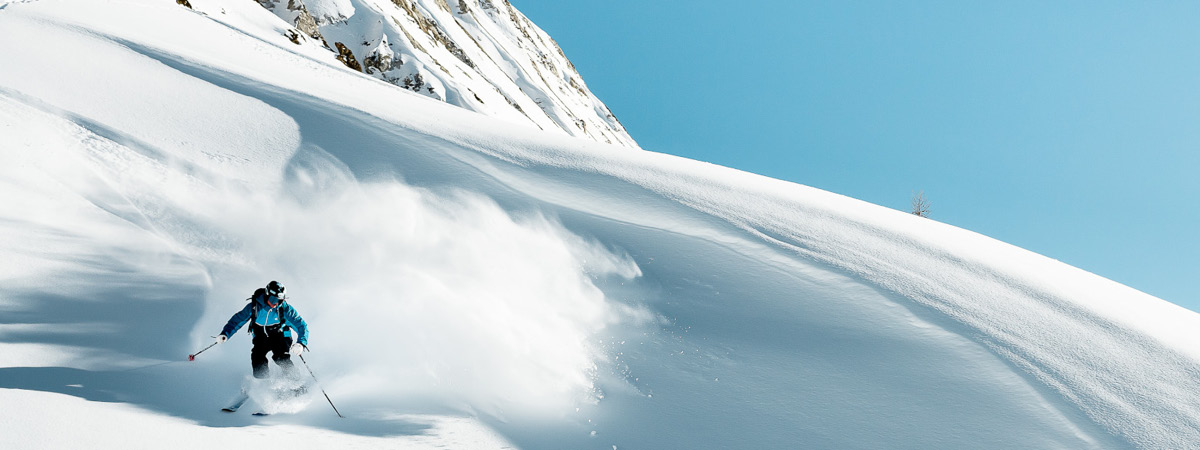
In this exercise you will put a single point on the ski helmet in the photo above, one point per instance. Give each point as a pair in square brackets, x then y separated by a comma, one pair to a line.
[274, 288]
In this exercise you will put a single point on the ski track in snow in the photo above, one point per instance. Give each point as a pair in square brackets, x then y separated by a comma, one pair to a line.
[680, 304]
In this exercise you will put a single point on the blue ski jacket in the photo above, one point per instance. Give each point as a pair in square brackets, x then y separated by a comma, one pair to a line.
[264, 315]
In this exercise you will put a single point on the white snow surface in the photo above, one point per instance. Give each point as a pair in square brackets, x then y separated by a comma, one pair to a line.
[471, 284]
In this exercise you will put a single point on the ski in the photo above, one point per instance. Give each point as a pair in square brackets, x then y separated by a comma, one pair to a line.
[262, 413]
[237, 402]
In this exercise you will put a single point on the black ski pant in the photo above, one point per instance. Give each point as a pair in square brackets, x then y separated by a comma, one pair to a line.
[270, 339]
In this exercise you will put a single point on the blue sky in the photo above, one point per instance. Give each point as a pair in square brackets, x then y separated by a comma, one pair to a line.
[1068, 128]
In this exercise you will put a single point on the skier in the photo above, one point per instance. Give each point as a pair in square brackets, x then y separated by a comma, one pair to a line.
[276, 327]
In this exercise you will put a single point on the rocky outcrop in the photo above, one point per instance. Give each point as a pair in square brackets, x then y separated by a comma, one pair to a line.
[380, 59]
[307, 24]
[482, 55]
[347, 57]
[433, 30]
[296, 13]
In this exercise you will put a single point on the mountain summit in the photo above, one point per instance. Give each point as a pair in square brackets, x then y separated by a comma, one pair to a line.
[481, 55]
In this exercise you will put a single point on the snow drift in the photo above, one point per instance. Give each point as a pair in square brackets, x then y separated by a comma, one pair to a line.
[474, 284]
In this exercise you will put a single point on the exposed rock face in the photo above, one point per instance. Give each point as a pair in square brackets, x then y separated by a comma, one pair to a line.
[184, 3]
[307, 24]
[293, 36]
[379, 60]
[347, 57]
[481, 55]
[296, 13]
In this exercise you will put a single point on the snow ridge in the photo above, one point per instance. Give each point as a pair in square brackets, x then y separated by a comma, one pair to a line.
[1097, 343]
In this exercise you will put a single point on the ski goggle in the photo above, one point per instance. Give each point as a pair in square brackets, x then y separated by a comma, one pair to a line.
[275, 300]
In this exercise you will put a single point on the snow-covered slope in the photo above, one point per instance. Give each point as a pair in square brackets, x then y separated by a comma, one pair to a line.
[481, 55]
[471, 284]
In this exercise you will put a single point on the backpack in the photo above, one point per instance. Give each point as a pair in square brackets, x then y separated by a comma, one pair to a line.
[261, 292]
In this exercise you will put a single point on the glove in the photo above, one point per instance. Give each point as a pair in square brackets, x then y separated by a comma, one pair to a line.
[220, 338]
[296, 349]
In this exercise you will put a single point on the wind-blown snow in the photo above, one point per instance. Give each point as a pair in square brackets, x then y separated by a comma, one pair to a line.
[420, 307]
[473, 284]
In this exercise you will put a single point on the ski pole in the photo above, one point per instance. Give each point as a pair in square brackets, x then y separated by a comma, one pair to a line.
[192, 357]
[310, 372]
